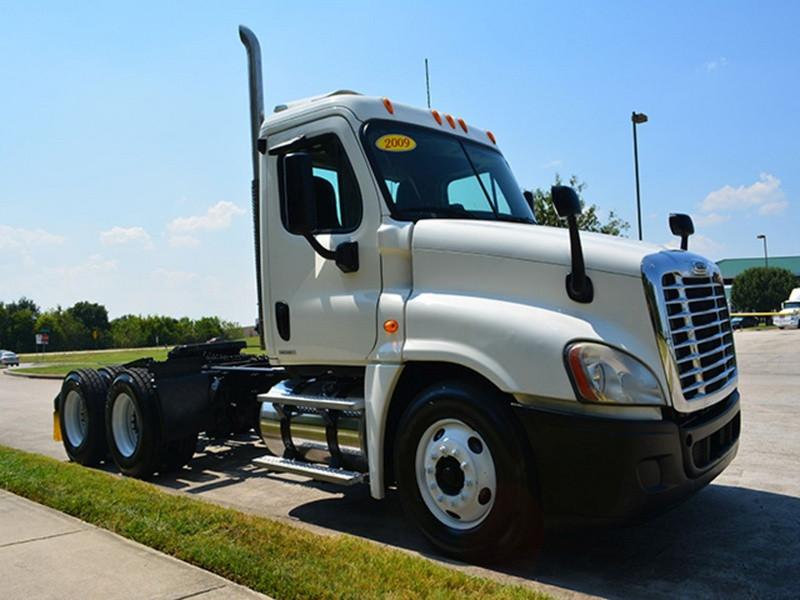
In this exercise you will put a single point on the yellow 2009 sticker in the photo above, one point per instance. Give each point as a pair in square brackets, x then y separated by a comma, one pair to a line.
[395, 142]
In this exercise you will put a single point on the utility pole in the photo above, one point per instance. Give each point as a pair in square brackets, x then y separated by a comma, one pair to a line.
[763, 238]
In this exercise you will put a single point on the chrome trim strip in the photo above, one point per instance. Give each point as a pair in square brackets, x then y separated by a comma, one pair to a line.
[654, 267]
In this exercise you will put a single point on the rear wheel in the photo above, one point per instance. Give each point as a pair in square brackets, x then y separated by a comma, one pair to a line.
[132, 424]
[463, 473]
[81, 406]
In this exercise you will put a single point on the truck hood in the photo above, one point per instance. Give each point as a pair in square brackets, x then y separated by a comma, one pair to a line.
[535, 243]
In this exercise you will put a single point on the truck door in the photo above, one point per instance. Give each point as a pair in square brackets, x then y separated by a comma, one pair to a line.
[321, 315]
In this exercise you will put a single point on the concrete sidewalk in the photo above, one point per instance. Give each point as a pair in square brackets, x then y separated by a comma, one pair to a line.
[47, 554]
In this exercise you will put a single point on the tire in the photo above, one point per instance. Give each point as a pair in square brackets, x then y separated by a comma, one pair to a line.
[496, 511]
[81, 415]
[109, 373]
[132, 422]
[179, 452]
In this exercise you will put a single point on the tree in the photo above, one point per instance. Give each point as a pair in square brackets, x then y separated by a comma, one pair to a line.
[94, 318]
[761, 289]
[588, 220]
[17, 321]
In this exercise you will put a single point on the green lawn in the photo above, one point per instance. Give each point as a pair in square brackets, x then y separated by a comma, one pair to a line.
[268, 556]
[61, 363]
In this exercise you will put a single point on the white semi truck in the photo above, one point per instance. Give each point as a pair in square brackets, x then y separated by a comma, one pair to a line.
[424, 334]
[789, 316]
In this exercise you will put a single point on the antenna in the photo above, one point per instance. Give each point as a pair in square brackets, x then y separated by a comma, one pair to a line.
[427, 83]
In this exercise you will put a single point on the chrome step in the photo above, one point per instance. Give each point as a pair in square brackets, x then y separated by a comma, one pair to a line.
[312, 470]
[282, 394]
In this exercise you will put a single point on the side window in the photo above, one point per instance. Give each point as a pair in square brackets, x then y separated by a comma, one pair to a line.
[337, 195]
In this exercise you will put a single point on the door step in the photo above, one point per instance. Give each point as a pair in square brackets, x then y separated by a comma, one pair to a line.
[283, 394]
[313, 470]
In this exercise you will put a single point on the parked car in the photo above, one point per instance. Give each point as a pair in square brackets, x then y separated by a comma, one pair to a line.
[742, 322]
[8, 358]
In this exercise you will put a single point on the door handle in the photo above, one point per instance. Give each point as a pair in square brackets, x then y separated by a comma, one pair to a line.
[282, 320]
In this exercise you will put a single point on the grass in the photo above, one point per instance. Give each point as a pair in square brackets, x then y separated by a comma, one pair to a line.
[61, 363]
[264, 555]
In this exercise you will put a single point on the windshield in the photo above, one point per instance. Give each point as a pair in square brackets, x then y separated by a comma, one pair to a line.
[791, 305]
[431, 174]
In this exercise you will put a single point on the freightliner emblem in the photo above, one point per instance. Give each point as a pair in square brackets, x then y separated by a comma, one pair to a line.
[699, 268]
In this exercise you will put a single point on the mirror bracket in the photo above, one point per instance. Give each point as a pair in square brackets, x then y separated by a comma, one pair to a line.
[568, 206]
[345, 255]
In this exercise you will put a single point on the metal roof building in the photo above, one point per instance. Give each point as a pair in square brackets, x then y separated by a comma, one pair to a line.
[731, 267]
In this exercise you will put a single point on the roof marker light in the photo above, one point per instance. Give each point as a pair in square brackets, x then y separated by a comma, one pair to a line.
[388, 105]
[437, 116]
[463, 125]
[451, 121]
[490, 135]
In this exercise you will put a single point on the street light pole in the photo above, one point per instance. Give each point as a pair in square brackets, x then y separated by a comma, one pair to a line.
[637, 118]
[763, 238]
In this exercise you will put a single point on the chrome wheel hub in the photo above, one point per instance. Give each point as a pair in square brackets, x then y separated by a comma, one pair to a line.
[455, 474]
[76, 418]
[125, 423]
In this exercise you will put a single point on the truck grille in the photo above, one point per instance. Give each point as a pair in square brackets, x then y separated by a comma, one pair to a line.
[699, 327]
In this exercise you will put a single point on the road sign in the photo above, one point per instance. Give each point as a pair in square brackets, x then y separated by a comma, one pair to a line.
[42, 339]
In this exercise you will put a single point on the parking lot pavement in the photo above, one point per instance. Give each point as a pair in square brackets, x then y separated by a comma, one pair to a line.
[47, 554]
[738, 537]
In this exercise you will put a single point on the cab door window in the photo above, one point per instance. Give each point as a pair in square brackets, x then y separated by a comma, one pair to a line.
[339, 205]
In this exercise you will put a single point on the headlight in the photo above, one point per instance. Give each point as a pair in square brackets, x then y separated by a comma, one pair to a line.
[608, 376]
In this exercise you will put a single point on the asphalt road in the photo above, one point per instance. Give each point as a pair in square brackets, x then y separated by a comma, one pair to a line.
[740, 537]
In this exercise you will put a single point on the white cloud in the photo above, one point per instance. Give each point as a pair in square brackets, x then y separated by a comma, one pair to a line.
[551, 164]
[125, 235]
[95, 266]
[710, 219]
[765, 194]
[183, 241]
[218, 216]
[15, 238]
[701, 244]
[717, 63]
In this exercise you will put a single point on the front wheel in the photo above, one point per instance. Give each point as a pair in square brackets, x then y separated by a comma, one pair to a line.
[463, 473]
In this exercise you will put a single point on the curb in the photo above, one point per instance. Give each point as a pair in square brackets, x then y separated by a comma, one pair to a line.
[33, 375]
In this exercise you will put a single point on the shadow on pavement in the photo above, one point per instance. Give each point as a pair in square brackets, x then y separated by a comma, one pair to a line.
[725, 542]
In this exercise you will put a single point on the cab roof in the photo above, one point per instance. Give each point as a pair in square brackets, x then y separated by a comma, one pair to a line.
[364, 108]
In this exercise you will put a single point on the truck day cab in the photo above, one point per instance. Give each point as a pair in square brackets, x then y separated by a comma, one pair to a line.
[789, 316]
[423, 333]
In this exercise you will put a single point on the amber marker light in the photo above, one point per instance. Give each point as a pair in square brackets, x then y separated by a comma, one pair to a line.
[463, 125]
[490, 135]
[391, 326]
[581, 381]
[451, 121]
[388, 105]
[437, 116]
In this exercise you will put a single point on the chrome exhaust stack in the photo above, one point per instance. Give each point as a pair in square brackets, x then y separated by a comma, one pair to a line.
[256, 88]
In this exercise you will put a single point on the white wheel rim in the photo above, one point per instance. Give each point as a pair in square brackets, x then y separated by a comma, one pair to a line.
[456, 474]
[76, 418]
[125, 422]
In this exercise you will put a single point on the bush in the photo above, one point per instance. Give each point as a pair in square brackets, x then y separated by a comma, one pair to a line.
[761, 289]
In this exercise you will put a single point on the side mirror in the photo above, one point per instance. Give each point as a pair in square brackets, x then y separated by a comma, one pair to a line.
[568, 206]
[566, 201]
[301, 210]
[528, 197]
[682, 226]
[298, 185]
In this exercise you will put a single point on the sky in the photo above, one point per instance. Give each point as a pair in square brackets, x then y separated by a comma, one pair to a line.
[124, 148]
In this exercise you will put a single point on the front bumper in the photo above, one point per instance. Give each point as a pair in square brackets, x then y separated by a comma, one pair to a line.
[618, 470]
